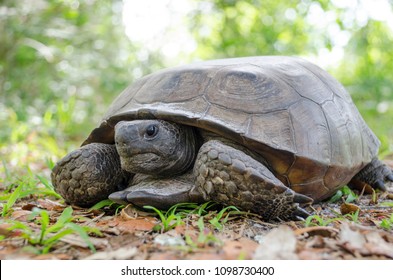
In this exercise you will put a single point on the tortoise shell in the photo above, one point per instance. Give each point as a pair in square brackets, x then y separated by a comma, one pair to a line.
[289, 111]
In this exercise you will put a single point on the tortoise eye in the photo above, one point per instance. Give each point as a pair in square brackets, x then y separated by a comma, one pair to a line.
[151, 130]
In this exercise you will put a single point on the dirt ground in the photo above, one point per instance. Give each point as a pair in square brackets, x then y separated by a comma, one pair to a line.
[133, 234]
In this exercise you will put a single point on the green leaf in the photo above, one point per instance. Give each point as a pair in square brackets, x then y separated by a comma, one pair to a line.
[44, 224]
[336, 197]
[65, 217]
[11, 200]
[159, 213]
[49, 187]
[82, 233]
[53, 239]
[102, 204]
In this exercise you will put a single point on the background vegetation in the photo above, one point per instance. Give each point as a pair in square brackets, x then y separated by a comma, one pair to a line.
[63, 61]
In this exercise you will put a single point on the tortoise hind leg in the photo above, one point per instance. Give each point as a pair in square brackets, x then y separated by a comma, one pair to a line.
[231, 177]
[375, 174]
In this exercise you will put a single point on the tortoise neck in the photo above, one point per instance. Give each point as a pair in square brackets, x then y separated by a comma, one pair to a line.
[187, 151]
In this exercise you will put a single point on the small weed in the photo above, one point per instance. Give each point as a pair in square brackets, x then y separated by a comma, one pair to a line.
[169, 219]
[109, 204]
[354, 217]
[344, 192]
[51, 234]
[174, 215]
[13, 197]
[316, 220]
[205, 236]
[102, 204]
[6, 171]
[387, 203]
[217, 220]
[31, 185]
[202, 209]
[387, 223]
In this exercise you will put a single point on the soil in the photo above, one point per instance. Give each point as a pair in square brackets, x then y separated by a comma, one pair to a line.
[335, 232]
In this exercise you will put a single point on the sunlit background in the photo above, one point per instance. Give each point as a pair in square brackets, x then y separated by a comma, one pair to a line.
[63, 61]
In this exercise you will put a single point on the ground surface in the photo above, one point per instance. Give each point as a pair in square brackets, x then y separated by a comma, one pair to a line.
[362, 229]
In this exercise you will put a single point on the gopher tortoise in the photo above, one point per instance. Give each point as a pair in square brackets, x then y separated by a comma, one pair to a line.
[266, 134]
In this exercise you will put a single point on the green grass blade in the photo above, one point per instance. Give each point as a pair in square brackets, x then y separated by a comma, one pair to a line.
[102, 204]
[55, 238]
[48, 186]
[44, 224]
[6, 171]
[159, 213]
[83, 234]
[11, 200]
[65, 217]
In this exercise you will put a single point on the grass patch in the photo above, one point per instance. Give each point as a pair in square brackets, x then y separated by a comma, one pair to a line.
[387, 223]
[27, 186]
[175, 215]
[48, 235]
[317, 220]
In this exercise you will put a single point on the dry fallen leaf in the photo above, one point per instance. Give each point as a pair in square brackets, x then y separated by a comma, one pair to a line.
[348, 208]
[377, 245]
[168, 240]
[130, 212]
[279, 243]
[141, 224]
[317, 230]
[243, 248]
[50, 205]
[119, 254]
[351, 239]
[21, 215]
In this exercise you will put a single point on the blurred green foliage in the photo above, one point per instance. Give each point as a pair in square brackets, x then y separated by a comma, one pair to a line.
[63, 61]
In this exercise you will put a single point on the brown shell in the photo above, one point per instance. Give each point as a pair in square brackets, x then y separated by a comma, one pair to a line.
[293, 113]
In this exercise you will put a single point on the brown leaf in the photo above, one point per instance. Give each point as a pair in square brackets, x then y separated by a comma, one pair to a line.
[377, 245]
[130, 212]
[4, 230]
[21, 215]
[119, 254]
[312, 254]
[169, 240]
[317, 230]
[29, 206]
[242, 248]
[51, 256]
[279, 243]
[367, 242]
[76, 240]
[348, 208]
[142, 224]
[351, 239]
[50, 205]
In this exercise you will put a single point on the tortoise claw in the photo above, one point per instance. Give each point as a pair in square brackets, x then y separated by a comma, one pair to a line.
[379, 184]
[300, 214]
[390, 177]
[302, 199]
[119, 197]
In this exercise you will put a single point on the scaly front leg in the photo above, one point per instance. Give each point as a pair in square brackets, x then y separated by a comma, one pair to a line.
[229, 176]
[89, 174]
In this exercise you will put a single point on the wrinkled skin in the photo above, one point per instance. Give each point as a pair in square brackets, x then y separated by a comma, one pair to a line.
[174, 163]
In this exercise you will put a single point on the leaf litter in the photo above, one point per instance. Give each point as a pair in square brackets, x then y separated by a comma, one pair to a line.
[361, 229]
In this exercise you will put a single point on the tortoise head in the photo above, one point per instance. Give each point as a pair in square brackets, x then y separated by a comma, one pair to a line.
[155, 147]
